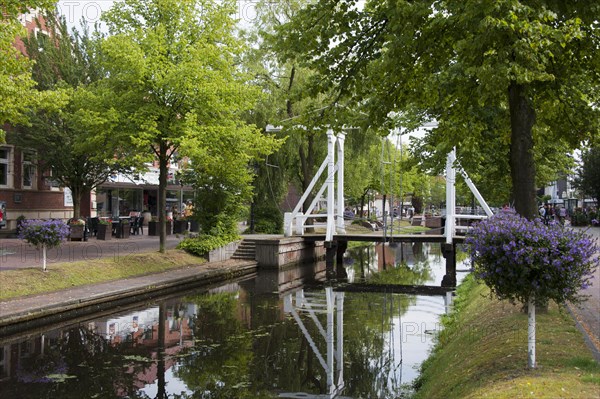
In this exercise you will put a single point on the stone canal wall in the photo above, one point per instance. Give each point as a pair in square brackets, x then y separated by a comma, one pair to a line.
[274, 253]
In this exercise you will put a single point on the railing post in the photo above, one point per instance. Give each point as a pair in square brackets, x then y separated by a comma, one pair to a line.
[330, 185]
[450, 196]
[288, 224]
[340, 225]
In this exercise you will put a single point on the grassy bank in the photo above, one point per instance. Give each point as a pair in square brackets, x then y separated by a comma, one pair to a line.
[482, 353]
[22, 282]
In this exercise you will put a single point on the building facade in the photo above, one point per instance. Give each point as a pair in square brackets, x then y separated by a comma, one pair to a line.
[31, 193]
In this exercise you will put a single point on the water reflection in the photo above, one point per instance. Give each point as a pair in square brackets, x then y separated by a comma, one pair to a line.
[332, 305]
[270, 336]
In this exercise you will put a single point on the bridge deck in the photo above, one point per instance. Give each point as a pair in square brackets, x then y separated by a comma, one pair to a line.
[395, 288]
[378, 237]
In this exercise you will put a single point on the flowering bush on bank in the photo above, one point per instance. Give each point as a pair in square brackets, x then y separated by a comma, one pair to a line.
[48, 233]
[521, 259]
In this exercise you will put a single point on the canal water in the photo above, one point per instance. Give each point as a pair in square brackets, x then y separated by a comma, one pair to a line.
[286, 334]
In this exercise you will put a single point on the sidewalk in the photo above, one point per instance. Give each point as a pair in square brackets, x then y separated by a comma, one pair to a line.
[36, 311]
[17, 254]
[587, 313]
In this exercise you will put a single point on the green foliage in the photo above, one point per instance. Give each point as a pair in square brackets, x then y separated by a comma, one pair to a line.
[512, 84]
[267, 219]
[203, 244]
[588, 175]
[16, 85]
[174, 77]
[70, 134]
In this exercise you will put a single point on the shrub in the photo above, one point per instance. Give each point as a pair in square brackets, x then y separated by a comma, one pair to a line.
[579, 219]
[518, 258]
[20, 221]
[49, 233]
[202, 245]
[530, 262]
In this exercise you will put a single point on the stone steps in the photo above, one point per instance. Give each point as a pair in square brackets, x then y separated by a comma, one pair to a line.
[246, 250]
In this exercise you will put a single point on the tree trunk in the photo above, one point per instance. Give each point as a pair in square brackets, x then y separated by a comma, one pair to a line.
[44, 261]
[162, 195]
[531, 332]
[76, 193]
[522, 165]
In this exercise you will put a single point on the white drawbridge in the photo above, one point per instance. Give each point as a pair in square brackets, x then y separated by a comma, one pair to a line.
[295, 221]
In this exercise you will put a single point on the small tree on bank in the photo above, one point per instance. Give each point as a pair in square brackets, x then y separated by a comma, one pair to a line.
[44, 234]
[174, 77]
[68, 134]
[529, 262]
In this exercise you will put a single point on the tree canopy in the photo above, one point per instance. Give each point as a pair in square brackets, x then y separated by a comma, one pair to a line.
[68, 134]
[173, 78]
[588, 175]
[502, 78]
[16, 84]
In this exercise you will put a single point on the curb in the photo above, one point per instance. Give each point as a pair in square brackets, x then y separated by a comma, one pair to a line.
[166, 283]
[586, 336]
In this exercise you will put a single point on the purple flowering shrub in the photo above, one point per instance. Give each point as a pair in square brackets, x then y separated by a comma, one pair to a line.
[44, 232]
[517, 258]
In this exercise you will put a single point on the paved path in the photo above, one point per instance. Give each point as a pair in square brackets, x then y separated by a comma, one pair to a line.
[88, 299]
[16, 254]
[588, 312]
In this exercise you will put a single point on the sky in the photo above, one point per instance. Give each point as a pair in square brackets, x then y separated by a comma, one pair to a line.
[75, 10]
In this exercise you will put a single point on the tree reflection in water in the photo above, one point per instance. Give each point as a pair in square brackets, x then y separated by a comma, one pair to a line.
[237, 343]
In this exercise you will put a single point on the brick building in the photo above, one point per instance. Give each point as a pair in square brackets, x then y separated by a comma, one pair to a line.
[32, 193]
[26, 190]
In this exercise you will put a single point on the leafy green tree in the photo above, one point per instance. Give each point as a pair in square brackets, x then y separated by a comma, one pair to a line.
[16, 86]
[303, 115]
[173, 78]
[588, 175]
[68, 135]
[495, 74]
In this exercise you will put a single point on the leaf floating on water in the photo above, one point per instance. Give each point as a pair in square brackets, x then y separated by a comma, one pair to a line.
[261, 335]
[241, 385]
[60, 377]
[138, 358]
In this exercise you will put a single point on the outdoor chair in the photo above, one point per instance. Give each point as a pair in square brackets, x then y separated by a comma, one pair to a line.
[137, 225]
[93, 225]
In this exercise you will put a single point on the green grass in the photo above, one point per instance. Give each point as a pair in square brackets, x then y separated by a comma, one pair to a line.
[31, 281]
[482, 353]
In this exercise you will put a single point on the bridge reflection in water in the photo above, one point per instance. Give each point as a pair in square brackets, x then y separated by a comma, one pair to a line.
[280, 333]
[332, 304]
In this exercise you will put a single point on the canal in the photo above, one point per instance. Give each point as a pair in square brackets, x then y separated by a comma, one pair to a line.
[287, 334]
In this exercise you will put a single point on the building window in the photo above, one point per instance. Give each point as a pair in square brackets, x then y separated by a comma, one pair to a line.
[50, 181]
[5, 162]
[28, 169]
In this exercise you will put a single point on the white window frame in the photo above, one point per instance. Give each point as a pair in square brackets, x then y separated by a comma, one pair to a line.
[8, 161]
[27, 163]
[51, 183]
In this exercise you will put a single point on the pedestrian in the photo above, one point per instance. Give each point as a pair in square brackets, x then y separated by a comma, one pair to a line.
[188, 211]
